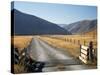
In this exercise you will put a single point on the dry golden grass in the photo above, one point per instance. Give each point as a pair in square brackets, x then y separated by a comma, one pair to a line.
[19, 69]
[21, 41]
[61, 44]
[71, 47]
[92, 33]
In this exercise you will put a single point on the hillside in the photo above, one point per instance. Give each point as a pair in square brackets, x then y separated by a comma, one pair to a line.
[82, 26]
[93, 32]
[25, 24]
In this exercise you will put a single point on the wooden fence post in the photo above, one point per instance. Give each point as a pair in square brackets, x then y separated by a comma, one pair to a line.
[91, 56]
[84, 42]
[65, 39]
[74, 41]
[80, 50]
[78, 42]
[70, 40]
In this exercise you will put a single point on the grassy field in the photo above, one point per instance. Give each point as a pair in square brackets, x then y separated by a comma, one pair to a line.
[21, 42]
[70, 43]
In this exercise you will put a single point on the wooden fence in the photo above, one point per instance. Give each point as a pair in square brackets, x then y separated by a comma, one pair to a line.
[87, 53]
[72, 40]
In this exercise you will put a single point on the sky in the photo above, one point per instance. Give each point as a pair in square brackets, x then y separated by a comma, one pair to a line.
[57, 13]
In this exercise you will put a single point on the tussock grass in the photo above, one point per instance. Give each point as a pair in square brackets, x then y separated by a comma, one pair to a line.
[19, 69]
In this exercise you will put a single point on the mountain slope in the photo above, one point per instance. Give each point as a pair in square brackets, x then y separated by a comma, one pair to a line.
[82, 26]
[91, 33]
[25, 24]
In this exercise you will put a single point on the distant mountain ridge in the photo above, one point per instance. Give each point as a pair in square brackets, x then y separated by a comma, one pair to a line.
[81, 26]
[25, 24]
[62, 25]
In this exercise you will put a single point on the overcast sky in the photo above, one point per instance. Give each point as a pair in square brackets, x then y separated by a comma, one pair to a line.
[58, 13]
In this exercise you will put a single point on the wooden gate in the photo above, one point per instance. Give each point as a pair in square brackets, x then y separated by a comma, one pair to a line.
[83, 54]
[87, 53]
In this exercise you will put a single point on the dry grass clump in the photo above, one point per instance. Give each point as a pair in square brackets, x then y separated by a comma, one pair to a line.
[21, 42]
[19, 69]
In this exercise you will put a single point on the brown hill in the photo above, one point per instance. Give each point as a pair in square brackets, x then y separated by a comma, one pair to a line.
[92, 33]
